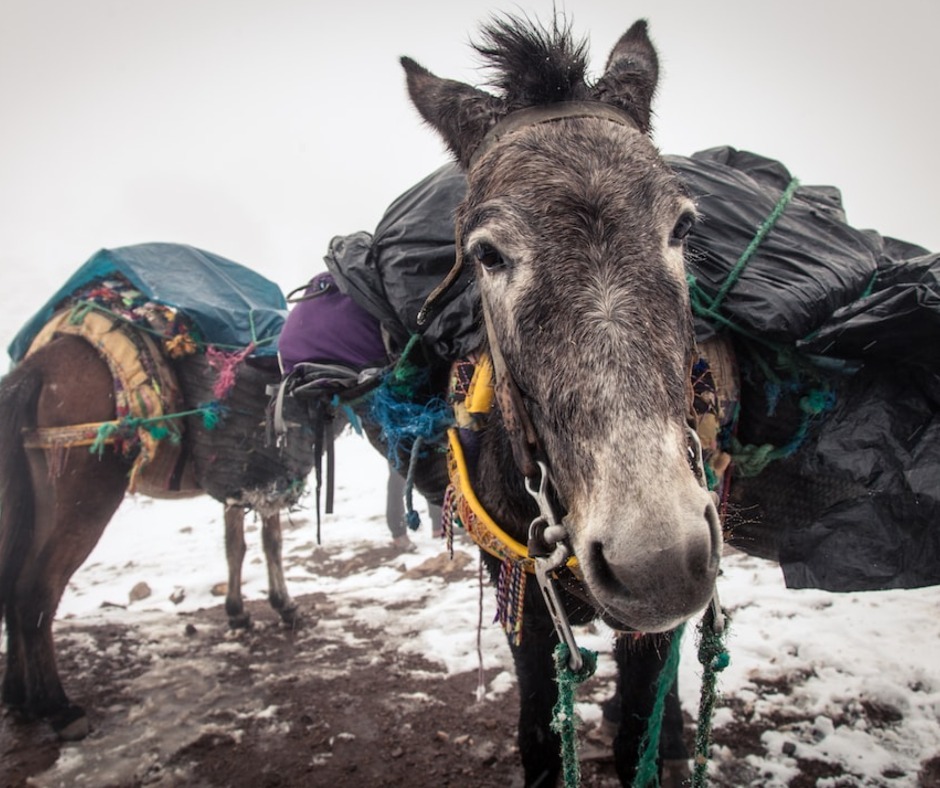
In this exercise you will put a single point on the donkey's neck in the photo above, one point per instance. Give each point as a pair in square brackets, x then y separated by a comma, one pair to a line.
[499, 484]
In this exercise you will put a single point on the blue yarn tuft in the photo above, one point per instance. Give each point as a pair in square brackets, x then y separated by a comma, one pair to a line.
[408, 421]
[404, 421]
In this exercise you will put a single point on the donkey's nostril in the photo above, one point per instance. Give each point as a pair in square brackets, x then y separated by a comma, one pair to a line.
[715, 533]
[604, 573]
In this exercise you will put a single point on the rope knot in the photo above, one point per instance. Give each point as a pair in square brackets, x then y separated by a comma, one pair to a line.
[564, 720]
[817, 401]
[714, 658]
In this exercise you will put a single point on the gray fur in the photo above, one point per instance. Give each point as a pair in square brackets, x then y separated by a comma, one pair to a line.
[589, 305]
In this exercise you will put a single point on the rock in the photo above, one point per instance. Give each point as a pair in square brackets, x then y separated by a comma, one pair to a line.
[440, 565]
[139, 592]
[178, 595]
[219, 589]
[485, 752]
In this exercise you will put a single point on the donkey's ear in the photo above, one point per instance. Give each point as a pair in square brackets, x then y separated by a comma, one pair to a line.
[629, 81]
[461, 114]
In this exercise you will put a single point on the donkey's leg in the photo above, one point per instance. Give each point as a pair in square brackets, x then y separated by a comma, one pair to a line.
[14, 677]
[19, 393]
[539, 746]
[71, 514]
[71, 502]
[640, 659]
[235, 553]
[673, 750]
[278, 595]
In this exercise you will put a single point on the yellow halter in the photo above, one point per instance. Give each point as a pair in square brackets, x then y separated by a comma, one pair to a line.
[477, 522]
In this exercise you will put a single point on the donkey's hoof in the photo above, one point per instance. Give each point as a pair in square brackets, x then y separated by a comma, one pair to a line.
[290, 616]
[676, 773]
[241, 621]
[71, 724]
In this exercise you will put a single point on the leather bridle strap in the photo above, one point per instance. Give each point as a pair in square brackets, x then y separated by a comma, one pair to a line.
[533, 116]
[522, 436]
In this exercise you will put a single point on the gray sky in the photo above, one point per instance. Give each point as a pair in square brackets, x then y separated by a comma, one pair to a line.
[258, 130]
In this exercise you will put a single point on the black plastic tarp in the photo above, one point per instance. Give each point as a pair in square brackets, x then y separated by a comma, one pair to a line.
[833, 309]
[898, 321]
[392, 271]
[809, 265]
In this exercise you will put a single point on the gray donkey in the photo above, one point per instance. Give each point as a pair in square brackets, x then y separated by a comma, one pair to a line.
[575, 229]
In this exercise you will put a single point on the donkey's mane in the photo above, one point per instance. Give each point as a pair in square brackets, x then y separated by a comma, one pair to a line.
[531, 64]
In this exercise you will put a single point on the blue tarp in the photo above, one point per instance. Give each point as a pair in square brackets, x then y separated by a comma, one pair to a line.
[232, 306]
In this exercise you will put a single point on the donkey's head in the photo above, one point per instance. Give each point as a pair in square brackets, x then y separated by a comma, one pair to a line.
[576, 229]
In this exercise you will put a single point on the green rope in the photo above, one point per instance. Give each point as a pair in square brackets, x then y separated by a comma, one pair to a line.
[80, 310]
[756, 241]
[105, 433]
[406, 374]
[714, 659]
[564, 720]
[750, 459]
[211, 412]
[870, 287]
[709, 307]
[647, 772]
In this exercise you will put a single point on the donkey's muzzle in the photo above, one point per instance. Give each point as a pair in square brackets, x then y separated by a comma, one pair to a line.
[656, 585]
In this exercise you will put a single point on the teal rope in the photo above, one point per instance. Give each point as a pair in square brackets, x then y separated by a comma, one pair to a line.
[647, 772]
[750, 460]
[211, 412]
[714, 659]
[404, 415]
[564, 721]
[709, 307]
[756, 241]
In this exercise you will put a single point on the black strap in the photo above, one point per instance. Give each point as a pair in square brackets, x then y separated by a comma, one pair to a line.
[322, 420]
[533, 116]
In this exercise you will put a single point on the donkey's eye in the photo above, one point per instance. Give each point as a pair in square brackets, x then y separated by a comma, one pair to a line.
[683, 227]
[488, 257]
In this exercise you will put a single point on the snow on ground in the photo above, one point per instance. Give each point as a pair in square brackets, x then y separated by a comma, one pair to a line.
[851, 680]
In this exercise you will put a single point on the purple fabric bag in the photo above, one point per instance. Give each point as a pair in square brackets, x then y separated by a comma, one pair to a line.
[327, 327]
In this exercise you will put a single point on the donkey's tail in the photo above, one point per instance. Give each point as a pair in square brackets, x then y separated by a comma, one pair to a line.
[19, 392]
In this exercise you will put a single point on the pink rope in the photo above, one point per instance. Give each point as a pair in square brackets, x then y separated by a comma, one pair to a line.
[226, 364]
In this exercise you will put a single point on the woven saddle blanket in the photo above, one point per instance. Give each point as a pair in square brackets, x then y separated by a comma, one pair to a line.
[145, 389]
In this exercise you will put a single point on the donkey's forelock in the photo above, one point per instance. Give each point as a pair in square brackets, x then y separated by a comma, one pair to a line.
[534, 65]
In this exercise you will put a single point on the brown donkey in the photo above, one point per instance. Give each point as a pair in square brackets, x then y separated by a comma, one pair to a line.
[56, 501]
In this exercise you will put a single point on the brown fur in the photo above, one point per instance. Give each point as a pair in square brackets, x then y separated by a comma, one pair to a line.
[55, 506]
